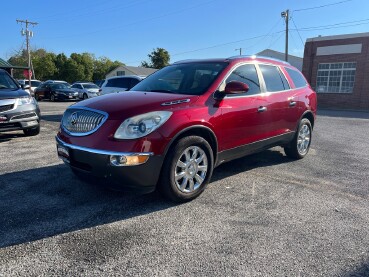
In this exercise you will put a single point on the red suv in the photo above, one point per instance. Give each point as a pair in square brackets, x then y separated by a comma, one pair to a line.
[175, 126]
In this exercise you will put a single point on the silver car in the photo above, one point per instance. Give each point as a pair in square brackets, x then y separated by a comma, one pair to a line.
[86, 90]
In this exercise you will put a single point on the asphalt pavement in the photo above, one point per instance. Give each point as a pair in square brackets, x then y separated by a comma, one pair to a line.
[262, 215]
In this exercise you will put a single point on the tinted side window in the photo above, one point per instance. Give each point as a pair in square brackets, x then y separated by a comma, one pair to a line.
[296, 77]
[272, 78]
[120, 82]
[246, 74]
[74, 86]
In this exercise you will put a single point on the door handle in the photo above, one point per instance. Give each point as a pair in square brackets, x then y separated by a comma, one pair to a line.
[262, 109]
[292, 104]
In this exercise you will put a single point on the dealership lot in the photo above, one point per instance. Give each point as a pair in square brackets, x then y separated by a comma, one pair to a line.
[262, 215]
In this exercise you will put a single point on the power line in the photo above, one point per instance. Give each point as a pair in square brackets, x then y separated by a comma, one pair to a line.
[363, 21]
[294, 24]
[322, 6]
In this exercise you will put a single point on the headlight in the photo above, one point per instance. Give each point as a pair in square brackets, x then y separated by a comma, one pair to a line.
[141, 125]
[25, 100]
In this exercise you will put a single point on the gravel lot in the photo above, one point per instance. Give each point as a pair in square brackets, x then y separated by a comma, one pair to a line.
[262, 215]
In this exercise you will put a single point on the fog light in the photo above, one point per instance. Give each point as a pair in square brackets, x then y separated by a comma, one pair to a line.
[128, 160]
[118, 160]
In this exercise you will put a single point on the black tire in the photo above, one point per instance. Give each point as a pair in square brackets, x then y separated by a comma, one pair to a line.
[52, 97]
[32, 132]
[293, 150]
[85, 96]
[194, 146]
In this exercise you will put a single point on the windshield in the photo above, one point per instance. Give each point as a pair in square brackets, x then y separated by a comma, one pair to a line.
[6, 82]
[59, 86]
[90, 86]
[188, 78]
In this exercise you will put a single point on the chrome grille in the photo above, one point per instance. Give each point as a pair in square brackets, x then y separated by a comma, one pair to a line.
[82, 121]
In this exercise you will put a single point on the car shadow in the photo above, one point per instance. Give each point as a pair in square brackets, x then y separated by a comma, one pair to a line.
[44, 202]
[262, 159]
[52, 118]
[8, 136]
[48, 201]
[362, 270]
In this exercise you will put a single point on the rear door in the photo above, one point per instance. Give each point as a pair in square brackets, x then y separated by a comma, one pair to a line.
[282, 100]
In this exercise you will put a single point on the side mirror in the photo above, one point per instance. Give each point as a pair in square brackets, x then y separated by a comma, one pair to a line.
[235, 87]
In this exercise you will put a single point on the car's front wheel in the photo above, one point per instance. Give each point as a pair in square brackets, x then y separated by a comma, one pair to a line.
[300, 145]
[85, 96]
[187, 169]
[52, 97]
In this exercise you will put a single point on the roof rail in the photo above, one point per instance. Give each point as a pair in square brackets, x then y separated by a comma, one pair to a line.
[256, 56]
[188, 60]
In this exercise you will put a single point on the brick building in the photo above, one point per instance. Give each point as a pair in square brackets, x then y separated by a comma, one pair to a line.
[337, 67]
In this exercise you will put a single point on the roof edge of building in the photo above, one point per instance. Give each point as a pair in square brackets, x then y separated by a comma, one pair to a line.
[336, 37]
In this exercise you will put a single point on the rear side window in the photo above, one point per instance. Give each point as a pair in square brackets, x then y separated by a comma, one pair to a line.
[296, 77]
[246, 74]
[118, 83]
[273, 78]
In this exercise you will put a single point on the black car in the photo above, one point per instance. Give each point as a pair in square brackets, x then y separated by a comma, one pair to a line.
[18, 110]
[55, 91]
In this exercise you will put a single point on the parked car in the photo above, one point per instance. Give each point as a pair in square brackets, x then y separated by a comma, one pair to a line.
[86, 90]
[120, 83]
[34, 84]
[187, 118]
[18, 110]
[55, 91]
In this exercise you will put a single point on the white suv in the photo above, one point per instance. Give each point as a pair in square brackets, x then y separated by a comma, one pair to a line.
[120, 83]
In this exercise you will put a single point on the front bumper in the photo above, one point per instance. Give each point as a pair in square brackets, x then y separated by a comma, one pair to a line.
[20, 118]
[93, 162]
[62, 96]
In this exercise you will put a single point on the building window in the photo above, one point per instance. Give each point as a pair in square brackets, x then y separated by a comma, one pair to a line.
[335, 77]
[121, 73]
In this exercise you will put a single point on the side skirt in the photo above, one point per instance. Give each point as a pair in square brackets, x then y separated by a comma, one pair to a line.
[244, 150]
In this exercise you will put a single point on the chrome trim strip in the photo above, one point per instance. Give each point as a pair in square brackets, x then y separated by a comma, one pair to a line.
[106, 115]
[175, 102]
[101, 152]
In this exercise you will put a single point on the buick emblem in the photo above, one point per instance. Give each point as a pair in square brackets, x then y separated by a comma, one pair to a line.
[73, 118]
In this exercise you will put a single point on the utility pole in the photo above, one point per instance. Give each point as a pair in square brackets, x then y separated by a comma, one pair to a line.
[286, 15]
[240, 49]
[28, 34]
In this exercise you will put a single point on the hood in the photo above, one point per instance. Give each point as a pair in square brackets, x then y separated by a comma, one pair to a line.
[126, 104]
[8, 93]
[93, 90]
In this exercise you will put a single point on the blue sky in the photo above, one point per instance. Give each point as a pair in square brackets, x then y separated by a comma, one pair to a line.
[127, 30]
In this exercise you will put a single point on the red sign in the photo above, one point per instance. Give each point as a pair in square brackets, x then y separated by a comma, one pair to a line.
[26, 72]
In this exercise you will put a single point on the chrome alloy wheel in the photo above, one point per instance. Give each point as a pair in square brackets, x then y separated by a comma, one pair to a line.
[303, 139]
[191, 168]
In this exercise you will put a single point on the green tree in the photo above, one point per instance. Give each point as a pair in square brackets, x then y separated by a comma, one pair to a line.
[102, 66]
[159, 58]
[44, 66]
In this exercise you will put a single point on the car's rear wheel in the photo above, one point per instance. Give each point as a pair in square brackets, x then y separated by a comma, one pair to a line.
[85, 96]
[32, 132]
[300, 145]
[187, 169]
